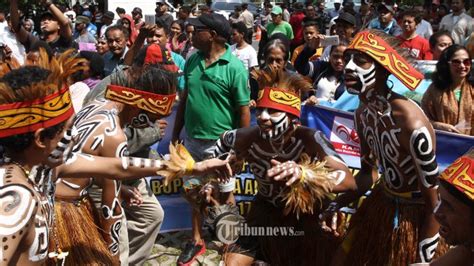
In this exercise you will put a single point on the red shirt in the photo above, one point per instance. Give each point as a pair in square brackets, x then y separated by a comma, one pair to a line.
[296, 20]
[419, 47]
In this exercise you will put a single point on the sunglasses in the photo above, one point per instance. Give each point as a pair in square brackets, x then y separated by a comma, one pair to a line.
[457, 62]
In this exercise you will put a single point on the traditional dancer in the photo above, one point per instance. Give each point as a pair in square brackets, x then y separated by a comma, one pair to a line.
[395, 225]
[36, 151]
[455, 212]
[291, 194]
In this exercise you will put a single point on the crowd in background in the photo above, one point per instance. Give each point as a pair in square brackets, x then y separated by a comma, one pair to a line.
[308, 38]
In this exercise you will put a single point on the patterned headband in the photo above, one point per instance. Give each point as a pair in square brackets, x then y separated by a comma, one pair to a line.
[384, 54]
[147, 101]
[279, 100]
[23, 117]
[460, 174]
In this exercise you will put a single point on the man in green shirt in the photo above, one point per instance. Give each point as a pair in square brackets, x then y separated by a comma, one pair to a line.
[215, 99]
[278, 24]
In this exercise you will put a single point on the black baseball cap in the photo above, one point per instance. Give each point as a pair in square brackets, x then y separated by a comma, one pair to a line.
[213, 21]
[347, 18]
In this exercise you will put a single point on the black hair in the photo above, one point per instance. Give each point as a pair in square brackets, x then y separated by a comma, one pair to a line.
[120, 10]
[412, 13]
[117, 27]
[16, 80]
[96, 63]
[442, 76]
[245, 6]
[161, 25]
[240, 27]
[180, 23]
[35, 47]
[310, 22]
[186, 9]
[434, 38]
[156, 79]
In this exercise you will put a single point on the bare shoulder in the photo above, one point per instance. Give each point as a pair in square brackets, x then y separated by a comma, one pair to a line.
[408, 114]
[19, 202]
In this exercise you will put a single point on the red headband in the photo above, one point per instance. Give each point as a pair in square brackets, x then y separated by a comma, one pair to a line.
[23, 117]
[460, 174]
[279, 100]
[150, 102]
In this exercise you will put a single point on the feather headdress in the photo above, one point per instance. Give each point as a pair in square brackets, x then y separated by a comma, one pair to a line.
[41, 104]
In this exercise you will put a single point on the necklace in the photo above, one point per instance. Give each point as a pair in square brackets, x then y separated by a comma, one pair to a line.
[27, 173]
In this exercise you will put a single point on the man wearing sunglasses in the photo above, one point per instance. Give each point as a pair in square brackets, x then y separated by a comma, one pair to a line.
[215, 99]
[395, 225]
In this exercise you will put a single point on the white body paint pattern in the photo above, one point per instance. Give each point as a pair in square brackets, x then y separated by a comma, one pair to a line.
[24, 208]
[428, 247]
[382, 136]
[366, 76]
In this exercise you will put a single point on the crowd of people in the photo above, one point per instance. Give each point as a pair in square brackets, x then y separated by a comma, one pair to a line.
[83, 98]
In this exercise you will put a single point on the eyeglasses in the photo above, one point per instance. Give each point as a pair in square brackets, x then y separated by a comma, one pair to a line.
[457, 62]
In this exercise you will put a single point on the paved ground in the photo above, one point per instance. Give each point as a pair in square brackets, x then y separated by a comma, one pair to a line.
[169, 245]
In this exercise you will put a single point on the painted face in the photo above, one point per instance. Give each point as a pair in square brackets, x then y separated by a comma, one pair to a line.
[460, 65]
[359, 72]
[442, 43]
[142, 120]
[455, 219]
[273, 124]
[60, 147]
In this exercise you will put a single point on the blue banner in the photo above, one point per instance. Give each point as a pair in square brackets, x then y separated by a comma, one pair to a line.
[337, 125]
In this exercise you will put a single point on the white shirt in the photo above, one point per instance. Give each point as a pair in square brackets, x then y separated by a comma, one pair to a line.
[247, 55]
[78, 92]
[18, 50]
[424, 29]
[247, 18]
[459, 26]
[326, 88]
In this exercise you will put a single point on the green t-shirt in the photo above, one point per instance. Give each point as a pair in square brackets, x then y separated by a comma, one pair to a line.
[284, 27]
[215, 95]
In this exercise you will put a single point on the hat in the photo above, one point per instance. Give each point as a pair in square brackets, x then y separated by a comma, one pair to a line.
[213, 21]
[82, 19]
[109, 15]
[385, 6]
[347, 18]
[348, 3]
[47, 15]
[87, 14]
[460, 175]
[378, 49]
[161, 2]
[277, 10]
[156, 54]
